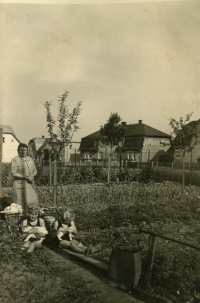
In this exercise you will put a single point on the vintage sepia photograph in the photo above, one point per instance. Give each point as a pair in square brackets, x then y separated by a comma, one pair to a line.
[100, 151]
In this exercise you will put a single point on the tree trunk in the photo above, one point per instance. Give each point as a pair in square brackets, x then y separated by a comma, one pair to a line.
[191, 168]
[50, 172]
[54, 182]
[183, 171]
[108, 168]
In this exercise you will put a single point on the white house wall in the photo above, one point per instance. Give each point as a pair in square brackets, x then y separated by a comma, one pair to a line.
[67, 151]
[152, 145]
[9, 149]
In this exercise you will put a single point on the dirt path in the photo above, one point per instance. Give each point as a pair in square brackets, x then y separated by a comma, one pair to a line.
[68, 265]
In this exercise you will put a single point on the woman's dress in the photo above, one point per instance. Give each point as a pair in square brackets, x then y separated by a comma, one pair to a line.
[24, 193]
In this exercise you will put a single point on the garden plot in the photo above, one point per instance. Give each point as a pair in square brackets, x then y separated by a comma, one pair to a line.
[111, 215]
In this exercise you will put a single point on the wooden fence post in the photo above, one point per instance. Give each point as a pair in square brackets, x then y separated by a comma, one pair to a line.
[50, 172]
[54, 182]
[108, 168]
[191, 168]
[150, 259]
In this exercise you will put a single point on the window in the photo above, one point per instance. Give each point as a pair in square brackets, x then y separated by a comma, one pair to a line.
[177, 153]
[3, 139]
[87, 156]
[131, 156]
[114, 157]
[101, 144]
[100, 156]
[162, 142]
[150, 142]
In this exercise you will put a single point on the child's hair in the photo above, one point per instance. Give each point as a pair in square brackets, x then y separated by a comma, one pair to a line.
[33, 209]
[64, 209]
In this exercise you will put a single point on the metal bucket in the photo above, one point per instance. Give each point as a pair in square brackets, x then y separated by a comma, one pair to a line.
[124, 267]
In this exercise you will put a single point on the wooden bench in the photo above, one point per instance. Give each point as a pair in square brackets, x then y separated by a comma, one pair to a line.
[86, 259]
[81, 257]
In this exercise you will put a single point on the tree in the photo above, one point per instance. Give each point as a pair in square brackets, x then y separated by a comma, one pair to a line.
[67, 124]
[66, 127]
[184, 137]
[113, 131]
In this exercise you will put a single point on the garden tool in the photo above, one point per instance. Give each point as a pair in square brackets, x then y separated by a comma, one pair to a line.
[37, 189]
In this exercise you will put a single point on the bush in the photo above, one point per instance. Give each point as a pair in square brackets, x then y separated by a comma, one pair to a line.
[99, 173]
[87, 174]
[6, 180]
[42, 178]
[147, 173]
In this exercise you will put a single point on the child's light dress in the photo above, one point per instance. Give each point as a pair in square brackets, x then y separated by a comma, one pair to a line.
[60, 234]
[40, 229]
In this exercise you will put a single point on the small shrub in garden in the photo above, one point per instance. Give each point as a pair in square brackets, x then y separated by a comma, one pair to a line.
[123, 174]
[6, 180]
[67, 175]
[99, 173]
[87, 174]
[147, 173]
[42, 178]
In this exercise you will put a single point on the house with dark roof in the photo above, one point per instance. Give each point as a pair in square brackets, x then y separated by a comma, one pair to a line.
[39, 149]
[141, 143]
[33, 147]
[194, 155]
[10, 143]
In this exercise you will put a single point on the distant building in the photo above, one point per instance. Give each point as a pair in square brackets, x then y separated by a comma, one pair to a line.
[192, 156]
[10, 144]
[33, 147]
[141, 143]
[39, 150]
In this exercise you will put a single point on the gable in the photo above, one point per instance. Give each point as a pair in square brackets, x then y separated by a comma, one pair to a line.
[7, 129]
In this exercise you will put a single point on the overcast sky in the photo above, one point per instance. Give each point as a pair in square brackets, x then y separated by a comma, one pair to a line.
[140, 59]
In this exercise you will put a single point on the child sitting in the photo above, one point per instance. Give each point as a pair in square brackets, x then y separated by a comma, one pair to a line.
[62, 233]
[34, 229]
[37, 229]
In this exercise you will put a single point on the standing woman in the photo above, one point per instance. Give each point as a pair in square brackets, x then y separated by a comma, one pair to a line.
[23, 171]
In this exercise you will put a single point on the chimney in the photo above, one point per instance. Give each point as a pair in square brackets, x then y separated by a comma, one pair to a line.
[140, 121]
[123, 123]
[43, 136]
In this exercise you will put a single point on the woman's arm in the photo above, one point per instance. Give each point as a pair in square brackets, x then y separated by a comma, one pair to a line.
[18, 176]
[15, 169]
[21, 177]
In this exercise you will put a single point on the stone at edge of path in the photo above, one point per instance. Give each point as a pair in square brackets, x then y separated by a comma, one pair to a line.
[106, 292]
